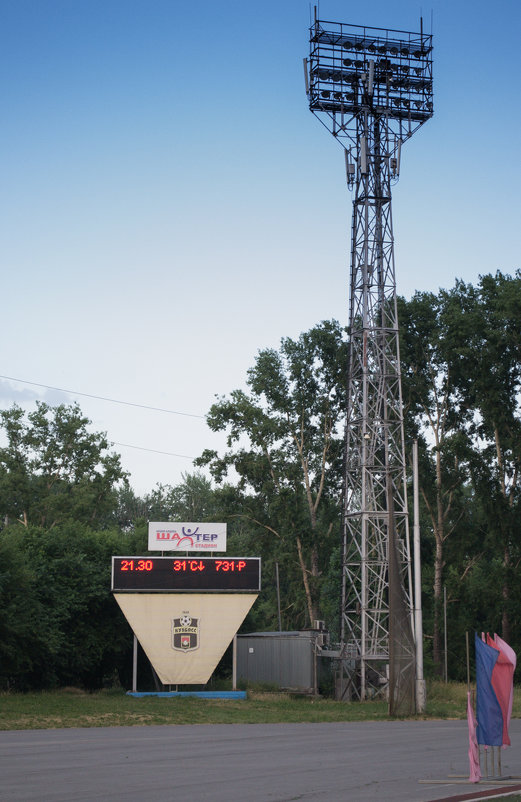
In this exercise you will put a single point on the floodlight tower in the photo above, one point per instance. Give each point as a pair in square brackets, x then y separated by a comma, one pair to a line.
[372, 89]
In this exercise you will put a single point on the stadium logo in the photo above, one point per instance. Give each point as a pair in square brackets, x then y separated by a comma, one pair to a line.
[183, 536]
[176, 539]
[185, 633]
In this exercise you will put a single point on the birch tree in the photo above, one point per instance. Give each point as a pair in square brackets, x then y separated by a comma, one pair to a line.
[284, 439]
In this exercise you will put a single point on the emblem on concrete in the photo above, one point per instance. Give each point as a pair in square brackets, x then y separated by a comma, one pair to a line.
[185, 633]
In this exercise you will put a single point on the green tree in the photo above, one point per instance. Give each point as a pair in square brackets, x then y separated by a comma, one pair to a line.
[433, 414]
[54, 469]
[191, 500]
[22, 635]
[285, 444]
[59, 622]
[130, 509]
[461, 363]
[485, 344]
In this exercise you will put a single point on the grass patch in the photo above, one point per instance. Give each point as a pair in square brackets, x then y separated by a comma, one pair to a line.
[113, 708]
[449, 700]
[54, 709]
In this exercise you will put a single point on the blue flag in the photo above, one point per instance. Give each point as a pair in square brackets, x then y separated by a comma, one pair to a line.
[488, 710]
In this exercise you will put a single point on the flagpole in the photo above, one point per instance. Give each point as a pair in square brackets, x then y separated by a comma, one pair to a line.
[468, 660]
[421, 696]
[445, 630]
[474, 751]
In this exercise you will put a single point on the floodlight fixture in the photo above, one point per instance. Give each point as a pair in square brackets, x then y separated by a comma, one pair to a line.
[354, 71]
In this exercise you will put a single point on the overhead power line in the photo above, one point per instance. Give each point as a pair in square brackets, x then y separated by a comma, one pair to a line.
[153, 450]
[110, 400]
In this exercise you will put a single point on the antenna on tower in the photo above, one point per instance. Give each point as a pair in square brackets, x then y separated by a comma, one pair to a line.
[306, 76]
[350, 169]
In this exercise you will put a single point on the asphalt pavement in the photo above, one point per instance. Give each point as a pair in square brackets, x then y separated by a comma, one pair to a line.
[409, 761]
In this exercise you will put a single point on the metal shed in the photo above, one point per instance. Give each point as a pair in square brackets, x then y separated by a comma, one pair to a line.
[285, 659]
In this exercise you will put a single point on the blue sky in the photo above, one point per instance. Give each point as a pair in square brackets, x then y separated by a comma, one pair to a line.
[170, 206]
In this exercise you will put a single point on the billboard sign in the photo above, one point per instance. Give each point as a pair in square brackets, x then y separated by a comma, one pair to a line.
[183, 536]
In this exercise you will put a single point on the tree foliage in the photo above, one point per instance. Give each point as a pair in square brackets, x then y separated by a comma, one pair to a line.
[485, 345]
[59, 622]
[284, 441]
[461, 359]
[54, 469]
[433, 414]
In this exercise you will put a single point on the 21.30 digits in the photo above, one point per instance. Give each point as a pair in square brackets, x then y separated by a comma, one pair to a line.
[199, 565]
[137, 565]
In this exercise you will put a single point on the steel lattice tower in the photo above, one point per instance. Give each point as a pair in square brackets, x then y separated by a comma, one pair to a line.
[372, 89]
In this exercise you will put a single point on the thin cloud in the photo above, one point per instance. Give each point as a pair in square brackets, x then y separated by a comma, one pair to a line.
[9, 395]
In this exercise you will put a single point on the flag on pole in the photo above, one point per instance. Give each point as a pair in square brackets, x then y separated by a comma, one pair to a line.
[488, 709]
[475, 770]
[503, 680]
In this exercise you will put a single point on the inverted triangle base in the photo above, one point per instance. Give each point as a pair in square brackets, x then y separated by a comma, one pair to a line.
[182, 652]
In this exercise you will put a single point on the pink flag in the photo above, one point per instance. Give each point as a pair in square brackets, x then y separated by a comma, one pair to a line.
[502, 682]
[475, 770]
[511, 661]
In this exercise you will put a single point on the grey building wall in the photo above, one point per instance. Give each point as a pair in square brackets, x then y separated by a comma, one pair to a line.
[286, 659]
